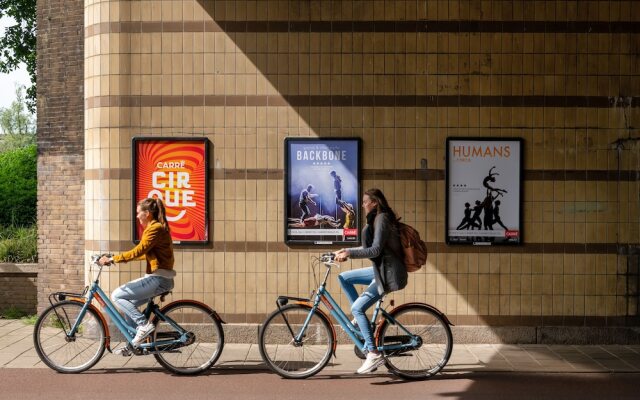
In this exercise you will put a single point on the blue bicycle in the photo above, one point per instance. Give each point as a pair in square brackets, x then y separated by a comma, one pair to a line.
[72, 334]
[297, 340]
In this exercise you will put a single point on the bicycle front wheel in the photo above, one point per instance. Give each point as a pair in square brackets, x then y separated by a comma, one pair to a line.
[434, 342]
[285, 356]
[69, 353]
[205, 343]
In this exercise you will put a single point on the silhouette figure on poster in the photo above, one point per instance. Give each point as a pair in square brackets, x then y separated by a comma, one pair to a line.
[477, 210]
[467, 222]
[496, 215]
[337, 186]
[321, 221]
[491, 178]
[306, 197]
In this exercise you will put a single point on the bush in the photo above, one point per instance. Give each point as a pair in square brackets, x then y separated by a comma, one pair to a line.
[18, 186]
[19, 245]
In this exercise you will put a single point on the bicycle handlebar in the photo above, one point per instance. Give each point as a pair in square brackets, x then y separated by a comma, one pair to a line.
[96, 257]
[327, 257]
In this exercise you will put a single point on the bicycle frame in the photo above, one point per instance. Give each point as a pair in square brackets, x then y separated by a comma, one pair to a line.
[129, 333]
[323, 296]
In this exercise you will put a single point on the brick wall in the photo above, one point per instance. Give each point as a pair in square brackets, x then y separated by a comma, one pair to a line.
[18, 287]
[60, 147]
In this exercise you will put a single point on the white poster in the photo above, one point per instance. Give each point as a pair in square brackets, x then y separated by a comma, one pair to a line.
[483, 182]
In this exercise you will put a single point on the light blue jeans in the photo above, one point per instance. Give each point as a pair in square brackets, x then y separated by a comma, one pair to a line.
[360, 304]
[128, 297]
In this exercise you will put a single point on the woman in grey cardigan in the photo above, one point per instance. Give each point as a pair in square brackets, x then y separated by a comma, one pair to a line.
[381, 244]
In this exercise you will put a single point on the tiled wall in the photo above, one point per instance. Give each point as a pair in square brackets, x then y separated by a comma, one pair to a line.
[403, 76]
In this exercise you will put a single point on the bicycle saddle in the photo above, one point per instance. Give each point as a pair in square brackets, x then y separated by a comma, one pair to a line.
[162, 295]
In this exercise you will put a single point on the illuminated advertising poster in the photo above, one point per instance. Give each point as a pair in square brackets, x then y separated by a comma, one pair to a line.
[322, 191]
[484, 191]
[174, 170]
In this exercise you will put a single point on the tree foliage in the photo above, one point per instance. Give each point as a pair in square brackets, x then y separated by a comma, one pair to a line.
[18, 44]
[17, 125]
[18, 186]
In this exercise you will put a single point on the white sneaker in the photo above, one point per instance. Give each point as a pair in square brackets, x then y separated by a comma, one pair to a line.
[123, 351]
[373, 361]
[142, 332]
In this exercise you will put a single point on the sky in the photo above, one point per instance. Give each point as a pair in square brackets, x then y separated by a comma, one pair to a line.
[8, 81]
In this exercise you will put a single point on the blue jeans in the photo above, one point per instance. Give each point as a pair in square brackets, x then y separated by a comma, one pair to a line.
[360, 304]
[128, 297]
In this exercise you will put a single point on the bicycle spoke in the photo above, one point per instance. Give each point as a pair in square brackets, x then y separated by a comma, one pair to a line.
[286, 356]
[64, 354]
[434, 338]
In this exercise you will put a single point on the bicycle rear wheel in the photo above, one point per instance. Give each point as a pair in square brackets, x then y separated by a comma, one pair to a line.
[203, 348]
[435, 342]
[69, 354]
[286, 357]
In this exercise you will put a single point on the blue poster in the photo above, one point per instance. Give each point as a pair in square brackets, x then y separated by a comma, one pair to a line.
[322, 190]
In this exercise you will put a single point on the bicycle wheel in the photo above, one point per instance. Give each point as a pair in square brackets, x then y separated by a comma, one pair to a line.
[295, 360]
[203, 348]
[435, 342]
[69, 354]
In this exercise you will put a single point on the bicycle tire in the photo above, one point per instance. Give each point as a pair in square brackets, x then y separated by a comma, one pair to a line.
[436, 342]
[204, 351]
[52, 345]
[295, 361]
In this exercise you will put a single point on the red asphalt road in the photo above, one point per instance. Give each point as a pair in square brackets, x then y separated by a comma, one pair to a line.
[44, 384]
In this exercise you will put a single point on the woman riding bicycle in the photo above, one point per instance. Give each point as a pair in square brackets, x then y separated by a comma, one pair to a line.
[156, 247]
[381, 244]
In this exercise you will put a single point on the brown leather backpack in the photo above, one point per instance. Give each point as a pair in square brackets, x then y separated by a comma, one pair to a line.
[415, 250]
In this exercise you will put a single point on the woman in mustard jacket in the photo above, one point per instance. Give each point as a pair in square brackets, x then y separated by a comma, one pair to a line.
[156, 247]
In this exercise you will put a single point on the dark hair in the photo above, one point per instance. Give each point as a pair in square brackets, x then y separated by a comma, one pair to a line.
[383, 206]
[156, 208]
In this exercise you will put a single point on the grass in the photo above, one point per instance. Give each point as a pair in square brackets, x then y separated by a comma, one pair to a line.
[19, 244]
[17, 313]
[13, 313]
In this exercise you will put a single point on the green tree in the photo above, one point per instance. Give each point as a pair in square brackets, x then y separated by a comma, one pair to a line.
[18, 186]
[17, 125]
[18, 44]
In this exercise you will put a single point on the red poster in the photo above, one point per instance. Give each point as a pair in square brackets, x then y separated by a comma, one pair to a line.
[174, 170]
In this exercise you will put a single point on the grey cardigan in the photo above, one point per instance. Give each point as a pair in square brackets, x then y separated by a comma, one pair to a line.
[389, 269]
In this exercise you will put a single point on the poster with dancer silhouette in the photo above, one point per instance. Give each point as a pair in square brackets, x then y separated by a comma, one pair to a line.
[322, 191]
[484, 191]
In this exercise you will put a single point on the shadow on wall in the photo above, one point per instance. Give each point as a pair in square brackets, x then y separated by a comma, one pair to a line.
[341, 87]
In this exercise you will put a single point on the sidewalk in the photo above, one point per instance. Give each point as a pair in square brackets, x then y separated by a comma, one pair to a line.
[17, 351]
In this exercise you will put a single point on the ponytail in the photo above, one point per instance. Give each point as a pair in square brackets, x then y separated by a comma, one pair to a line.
[156, 208]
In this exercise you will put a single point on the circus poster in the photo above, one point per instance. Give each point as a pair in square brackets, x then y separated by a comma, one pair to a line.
[174, 170]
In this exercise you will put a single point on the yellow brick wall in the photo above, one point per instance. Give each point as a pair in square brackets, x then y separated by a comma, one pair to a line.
[403, 76]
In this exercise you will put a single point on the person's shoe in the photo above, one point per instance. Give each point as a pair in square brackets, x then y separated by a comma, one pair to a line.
[372, 362]
[123, 351]
[142, 332]
[354, 323]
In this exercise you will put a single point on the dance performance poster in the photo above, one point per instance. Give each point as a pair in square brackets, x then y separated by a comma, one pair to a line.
[174, 170]
[322, 191]
[484, 190]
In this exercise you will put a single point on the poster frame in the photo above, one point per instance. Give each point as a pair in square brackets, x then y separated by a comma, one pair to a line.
[520, 164]
[134, 176]
[288, 141]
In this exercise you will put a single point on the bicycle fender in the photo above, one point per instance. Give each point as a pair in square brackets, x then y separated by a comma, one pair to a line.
[309, 305]
[107, 337]
[211, 311]
[406, 305]
[425, 305]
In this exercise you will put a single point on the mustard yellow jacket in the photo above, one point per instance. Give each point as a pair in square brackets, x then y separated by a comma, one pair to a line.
[155, 246]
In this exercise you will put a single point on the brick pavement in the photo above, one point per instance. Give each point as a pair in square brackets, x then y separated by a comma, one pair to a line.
[17, 351]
